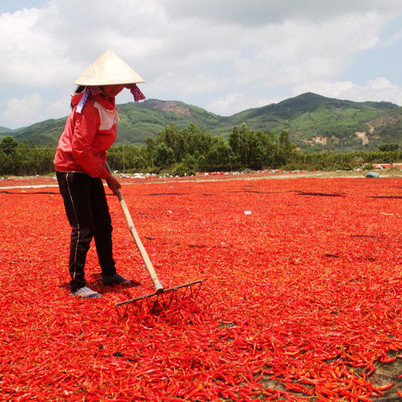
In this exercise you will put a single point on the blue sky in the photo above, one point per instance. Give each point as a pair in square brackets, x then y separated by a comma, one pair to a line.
[224, 56]
[10, 6]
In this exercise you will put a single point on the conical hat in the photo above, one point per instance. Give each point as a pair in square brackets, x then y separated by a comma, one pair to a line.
[109, 69]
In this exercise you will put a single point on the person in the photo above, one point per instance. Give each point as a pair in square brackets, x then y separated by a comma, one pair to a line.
[80, 165]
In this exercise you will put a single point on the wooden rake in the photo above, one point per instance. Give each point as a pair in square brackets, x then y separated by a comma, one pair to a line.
[162, 298]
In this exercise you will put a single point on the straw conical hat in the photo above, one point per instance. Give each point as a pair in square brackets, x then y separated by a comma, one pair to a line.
[109, 69]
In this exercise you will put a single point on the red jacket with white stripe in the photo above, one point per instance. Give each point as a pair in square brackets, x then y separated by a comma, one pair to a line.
[87, 136]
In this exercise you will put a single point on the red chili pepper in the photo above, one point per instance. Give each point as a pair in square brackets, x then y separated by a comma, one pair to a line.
[278, 305]
[385, 387]
[296, 387]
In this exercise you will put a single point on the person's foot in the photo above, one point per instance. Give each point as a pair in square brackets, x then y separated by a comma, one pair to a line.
[86, 293]
[115, 279]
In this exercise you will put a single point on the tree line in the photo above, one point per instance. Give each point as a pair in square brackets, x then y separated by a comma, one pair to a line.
[190, 150]
[21, 159]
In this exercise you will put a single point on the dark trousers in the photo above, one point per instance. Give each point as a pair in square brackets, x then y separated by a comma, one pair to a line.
[88, 214]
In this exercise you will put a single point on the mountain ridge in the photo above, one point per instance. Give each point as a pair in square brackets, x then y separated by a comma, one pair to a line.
[314, 122]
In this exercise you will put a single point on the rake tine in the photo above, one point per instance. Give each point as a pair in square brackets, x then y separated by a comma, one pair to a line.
[125, 310]
[161, 300]
[155, 303]
[192, 290]
[118, 313]
[170, 297]
[139, 306]
[186, 285]
[151, 295]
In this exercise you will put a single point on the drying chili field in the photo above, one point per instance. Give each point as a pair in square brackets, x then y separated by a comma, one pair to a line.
[302, 298]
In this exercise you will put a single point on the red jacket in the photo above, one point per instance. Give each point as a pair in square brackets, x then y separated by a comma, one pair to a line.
[87, 136]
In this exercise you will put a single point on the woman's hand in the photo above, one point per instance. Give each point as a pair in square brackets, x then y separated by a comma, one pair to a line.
[113, 183]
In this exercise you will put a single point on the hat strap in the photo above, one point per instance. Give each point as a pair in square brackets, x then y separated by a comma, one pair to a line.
[135, 91]
[87, 92]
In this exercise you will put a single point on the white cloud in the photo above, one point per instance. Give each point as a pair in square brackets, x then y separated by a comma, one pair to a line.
[378, 89]
[30, 54]
[58, 108]
[204, 53]
[26, 110]
[33, 109]
[262, 12]
[236, 102]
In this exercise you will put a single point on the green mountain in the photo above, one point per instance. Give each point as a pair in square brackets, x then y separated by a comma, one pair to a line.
[4, 131]
[314, 122]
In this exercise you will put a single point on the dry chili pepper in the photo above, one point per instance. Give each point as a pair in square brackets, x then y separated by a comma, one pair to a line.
[278, 305]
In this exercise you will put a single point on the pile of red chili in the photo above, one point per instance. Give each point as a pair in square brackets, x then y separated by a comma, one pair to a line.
[302, 299]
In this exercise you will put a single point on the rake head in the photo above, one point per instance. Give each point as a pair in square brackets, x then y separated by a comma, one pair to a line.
[163, 299]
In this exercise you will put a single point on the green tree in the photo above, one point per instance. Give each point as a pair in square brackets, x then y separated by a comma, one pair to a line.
[388, 147]
[164, 156]
[8, 145]
[286, 149]
[197, 141]
[235, 143]
[270, 146]
[249, 149]
[218, 156]
[150, 152]
[173, 139]
[255, 151]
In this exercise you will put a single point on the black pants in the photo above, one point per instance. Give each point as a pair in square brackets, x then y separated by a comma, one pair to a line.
[88, 214]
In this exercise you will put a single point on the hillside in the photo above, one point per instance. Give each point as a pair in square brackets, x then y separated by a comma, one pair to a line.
[4, 131]
[314, 122]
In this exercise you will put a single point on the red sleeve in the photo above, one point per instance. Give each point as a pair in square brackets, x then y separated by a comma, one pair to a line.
[85, 126]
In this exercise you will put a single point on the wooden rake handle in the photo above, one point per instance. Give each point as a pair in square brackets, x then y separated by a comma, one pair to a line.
[138, 242]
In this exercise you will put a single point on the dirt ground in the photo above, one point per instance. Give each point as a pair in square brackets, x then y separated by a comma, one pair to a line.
[384, 374]
[49, 181]
[358, 174]
[384, 173]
